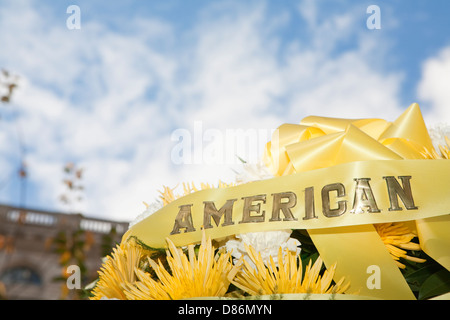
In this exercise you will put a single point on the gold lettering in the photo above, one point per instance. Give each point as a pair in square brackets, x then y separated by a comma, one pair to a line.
[334, 204]
[249, 207]
[183, 220]
[326, 206]
[405, 193]
[283, 206]
[364, 197]
[309, 204]
[210, 211]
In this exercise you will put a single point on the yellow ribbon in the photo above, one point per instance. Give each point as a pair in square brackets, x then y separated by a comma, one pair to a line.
[319, 142]
[316, 199]
[329, 164]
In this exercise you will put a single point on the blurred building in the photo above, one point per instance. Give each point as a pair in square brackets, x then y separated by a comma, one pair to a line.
[36, 246]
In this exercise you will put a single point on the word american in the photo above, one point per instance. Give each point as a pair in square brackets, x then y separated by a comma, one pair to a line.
[283, 203]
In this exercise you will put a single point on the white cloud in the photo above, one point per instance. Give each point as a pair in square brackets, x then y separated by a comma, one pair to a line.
[234, 73]
[434, 87]
[345, 87]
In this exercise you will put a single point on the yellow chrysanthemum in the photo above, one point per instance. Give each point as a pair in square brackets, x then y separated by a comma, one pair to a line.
[204, 275]
[397, 238]
[118, 270]
[445, 150]
[432, 154]
[287, 277]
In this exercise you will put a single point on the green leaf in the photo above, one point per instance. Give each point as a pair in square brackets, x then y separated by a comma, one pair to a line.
[59, 278]
[242, 160]
[302, 236]
[308, 257]
[416, 278]
[436, 284]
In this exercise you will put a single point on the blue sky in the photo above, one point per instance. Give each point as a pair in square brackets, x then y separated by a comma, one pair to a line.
[110, 95]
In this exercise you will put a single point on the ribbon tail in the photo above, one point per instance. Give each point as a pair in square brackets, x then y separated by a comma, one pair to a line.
[434, 238]
[362, 258]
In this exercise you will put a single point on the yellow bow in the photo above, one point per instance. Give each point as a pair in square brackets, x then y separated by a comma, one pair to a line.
[320, 142]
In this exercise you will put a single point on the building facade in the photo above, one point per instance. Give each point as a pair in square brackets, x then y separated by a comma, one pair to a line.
[37, 247]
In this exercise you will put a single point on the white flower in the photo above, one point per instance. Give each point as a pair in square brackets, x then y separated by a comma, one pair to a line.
[267, 243]
[253, 172]
[152, 208]
[438, 134]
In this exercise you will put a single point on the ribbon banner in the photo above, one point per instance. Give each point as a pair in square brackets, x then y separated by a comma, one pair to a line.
[334, 178]
[349, 194]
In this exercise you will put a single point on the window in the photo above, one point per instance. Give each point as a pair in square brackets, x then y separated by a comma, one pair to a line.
[22, 274]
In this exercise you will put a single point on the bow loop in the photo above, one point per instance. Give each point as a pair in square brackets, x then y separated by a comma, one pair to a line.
[320, 142]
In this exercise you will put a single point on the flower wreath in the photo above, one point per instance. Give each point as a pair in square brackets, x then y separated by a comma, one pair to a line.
[337, 208]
